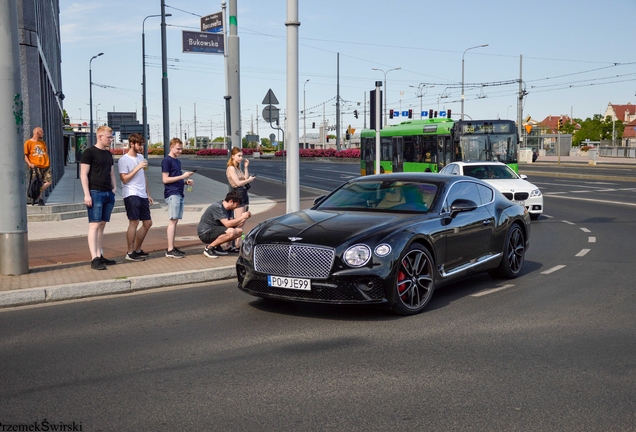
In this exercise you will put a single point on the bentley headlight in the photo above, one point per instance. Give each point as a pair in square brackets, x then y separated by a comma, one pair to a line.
[535, 192]
[248, 244]
[383, 250]
[357, 255]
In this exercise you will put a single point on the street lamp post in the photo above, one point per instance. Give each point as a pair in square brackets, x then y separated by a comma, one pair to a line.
[385, 119]
[467, 49]
[144, 108]
[90, 92]
[304, 116]
[420, 94]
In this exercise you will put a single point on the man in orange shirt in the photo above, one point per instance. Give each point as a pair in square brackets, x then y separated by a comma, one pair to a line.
[36, 157]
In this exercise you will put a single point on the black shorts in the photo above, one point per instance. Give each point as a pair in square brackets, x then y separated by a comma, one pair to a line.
[211, 235]
[137, 208]
[242, 193]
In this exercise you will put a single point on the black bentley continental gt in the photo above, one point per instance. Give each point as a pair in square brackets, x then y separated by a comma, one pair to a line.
[386, 239]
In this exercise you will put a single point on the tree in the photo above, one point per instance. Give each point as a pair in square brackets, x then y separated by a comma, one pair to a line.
[66, 121]
[597, 128]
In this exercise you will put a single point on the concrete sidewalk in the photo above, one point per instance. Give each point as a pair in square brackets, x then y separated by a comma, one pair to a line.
[59, 260]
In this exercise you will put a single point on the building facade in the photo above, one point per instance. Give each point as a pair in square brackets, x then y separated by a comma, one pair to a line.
[41, 76]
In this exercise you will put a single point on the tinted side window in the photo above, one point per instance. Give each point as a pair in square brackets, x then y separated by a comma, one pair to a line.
[462, 190]
[486, 194]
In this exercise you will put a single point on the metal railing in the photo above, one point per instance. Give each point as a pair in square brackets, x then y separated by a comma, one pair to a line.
[617, 152]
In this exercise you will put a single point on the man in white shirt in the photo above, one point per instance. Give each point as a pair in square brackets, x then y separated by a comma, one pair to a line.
[137, 199]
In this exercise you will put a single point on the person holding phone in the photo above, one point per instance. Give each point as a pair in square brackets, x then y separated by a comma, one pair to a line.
[218, 225]
[174, 181]
[239, 180]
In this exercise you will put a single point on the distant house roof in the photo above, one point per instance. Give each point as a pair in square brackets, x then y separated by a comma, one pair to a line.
[623, 112]
[550, 122]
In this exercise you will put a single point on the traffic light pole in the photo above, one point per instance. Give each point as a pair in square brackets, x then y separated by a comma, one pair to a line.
[377, 114]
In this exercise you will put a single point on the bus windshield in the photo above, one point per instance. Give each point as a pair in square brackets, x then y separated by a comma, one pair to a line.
[491, 147]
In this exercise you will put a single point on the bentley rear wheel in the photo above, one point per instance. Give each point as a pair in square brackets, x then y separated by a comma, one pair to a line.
[414, 284]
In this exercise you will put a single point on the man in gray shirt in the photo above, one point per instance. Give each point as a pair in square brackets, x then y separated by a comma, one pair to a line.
[218, 226]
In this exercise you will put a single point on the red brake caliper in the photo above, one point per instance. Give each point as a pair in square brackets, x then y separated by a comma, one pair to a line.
[400, 278]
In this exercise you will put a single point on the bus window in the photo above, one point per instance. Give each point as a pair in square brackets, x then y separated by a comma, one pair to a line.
[385, 149]
[429, 149]
[444, 150]
[458, 151]
[409, 150]
[473, 147]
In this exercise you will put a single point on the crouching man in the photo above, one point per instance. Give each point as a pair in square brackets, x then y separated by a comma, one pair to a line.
[218, 226]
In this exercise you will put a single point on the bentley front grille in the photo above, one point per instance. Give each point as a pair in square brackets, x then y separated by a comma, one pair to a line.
[293, 260]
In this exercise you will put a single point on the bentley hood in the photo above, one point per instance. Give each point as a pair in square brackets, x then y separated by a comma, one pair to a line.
[325, 228]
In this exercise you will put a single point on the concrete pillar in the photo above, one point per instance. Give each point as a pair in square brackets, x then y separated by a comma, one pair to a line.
[14, 258]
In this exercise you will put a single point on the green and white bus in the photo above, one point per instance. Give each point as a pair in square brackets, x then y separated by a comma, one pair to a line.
[429, 145]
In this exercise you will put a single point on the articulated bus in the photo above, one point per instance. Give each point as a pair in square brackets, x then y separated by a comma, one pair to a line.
[430, 144]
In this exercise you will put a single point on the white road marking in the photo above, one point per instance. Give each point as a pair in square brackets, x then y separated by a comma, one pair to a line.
[321, 178]
[593, 200]
[490, 291]
[548, 216]
[591, 239]
[582, 253]
[606, 190]
[581, 191]
[568, 222]
[585, 230]
[553, 269]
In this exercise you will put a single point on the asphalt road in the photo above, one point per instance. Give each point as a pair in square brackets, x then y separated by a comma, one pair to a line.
[551, 350]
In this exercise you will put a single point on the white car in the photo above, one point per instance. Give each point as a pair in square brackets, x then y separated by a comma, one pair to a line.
[513, 186]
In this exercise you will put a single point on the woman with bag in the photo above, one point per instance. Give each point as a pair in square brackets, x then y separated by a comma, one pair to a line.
[239, 181]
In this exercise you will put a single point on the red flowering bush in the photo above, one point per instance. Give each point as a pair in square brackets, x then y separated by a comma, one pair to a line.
[349, 154]
[212, 152]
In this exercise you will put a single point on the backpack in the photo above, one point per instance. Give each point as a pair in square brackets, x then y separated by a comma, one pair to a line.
[35, 185]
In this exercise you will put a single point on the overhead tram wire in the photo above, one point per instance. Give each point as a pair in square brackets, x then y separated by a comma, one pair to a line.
[184, 11]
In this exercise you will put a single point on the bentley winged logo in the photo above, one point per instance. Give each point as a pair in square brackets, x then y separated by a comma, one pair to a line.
[294, 238]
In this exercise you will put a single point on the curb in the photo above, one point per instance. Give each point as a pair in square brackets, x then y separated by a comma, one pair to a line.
[114, 286]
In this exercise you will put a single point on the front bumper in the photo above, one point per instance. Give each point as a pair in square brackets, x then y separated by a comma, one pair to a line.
[349, 289]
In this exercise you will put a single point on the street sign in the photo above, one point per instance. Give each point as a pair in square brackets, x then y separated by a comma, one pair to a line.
[207, 43]
[270, 113]
[270, 98]
[212, 23]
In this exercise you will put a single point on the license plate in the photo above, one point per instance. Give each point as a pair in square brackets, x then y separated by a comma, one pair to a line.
[289, 283]
[522, 203]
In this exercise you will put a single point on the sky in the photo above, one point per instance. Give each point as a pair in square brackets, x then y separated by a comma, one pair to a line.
[574, 58]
